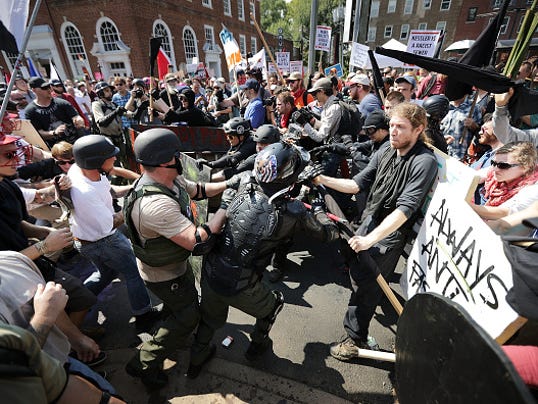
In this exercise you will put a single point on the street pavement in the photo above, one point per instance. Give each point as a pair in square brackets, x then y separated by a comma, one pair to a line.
[299, 369]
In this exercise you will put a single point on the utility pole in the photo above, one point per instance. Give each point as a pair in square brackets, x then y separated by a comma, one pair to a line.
[313, 24]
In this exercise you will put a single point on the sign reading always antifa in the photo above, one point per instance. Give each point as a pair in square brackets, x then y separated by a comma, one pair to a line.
[283, 61]
[458, 256]
[423, 43]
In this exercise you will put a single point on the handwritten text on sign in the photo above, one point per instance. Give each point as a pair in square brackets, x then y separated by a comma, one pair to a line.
[458, 256]
[423, 43]
[323, 38]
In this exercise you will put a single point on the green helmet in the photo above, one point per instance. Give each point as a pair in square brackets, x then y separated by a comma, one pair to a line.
[266, 134]
[156, 146]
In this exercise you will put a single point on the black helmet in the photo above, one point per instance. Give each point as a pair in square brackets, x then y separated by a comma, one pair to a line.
[280, 164]
[266, 134]
[156, 146]
[436, 106]
[237, 126]
[100, 87]
[139, 82]
[91, 151]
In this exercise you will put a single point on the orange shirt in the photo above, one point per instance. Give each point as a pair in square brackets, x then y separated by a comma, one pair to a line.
[299, 98]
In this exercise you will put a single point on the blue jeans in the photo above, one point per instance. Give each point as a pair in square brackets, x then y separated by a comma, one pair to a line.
[111, 255]
[79, 368]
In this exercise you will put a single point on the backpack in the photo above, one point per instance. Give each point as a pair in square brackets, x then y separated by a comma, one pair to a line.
[351, 121]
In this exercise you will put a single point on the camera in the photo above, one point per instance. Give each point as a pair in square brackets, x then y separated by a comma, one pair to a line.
[270, 102]
[301, 116]
[138, 93]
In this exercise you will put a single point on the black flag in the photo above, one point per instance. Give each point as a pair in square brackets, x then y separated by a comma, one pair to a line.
[378, 80]
[154, 45]
[7, 40]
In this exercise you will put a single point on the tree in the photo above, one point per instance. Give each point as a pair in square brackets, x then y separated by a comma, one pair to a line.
[274, 15]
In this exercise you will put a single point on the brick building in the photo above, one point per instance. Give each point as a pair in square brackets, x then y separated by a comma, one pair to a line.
[112, 37]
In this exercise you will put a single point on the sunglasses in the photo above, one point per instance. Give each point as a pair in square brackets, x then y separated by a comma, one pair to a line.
[64, 162]
[230, 136]
[370, 131]
[503, 166]
[22, 155]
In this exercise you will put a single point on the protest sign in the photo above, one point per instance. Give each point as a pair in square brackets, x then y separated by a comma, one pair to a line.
[339, 70]
[323, 38]
[271, 68]
[422, 42]
[259, 61]
[296, 66]
[231, 49]
[283, 61]
[31, 135]
[359, 58]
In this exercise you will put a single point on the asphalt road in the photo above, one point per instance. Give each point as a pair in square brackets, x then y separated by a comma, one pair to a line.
[316, 296]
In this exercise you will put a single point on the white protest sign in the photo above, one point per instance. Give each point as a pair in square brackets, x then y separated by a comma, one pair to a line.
[359, 56]
[323, 38]
[296, 66]
[283, 61]
[423, 43]
[271, 68]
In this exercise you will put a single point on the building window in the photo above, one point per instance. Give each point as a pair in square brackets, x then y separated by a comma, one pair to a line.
[408, 7]
[209, 37]
[253, 45]
[11, 59]
[391, 8]
[520, 23]
[206, 3]
[252, 7]
[372, 33]
[240, 10]
[445, 5]
[160, 29]
[243, 45]
[227, 7]
[388, 31]
[404, 32]
[440, 26]
[471, 14]
[75, 49]
[109, 36]
[427, 4]
[374, 9]
[504, 26]
[189, 42]
[423, 26]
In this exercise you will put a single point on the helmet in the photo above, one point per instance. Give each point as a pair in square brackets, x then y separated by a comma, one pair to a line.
[139, 82]
[156, 146]
[100, 87]
[237, 126]
[91, 151]
[266, 134]
[280, 164]
[436, 106]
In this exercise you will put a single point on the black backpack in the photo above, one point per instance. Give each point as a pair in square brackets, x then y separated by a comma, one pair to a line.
[351, 121]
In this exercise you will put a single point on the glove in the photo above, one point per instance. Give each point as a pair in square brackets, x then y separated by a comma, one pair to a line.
[120, 111]
[311, 171]
[203, 162]
[347, 140]
[227, 197]
[339, 148]
[319, 150]
[298, 118]
[155, 94]
[318, 205]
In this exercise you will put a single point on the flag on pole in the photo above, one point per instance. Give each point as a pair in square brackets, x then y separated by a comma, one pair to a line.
[154, 46]
[163, 62]
[53, 72]
[231, 49]
[31, 68]
[13, 19]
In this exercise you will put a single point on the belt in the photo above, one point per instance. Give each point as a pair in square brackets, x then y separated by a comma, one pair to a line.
[83, 242]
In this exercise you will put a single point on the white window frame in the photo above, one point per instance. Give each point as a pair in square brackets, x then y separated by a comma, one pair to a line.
[241, 10]
[440, 26]
[426, 4]
[74, 61]
[372, 33]
[243, 45]
[408, 6]
[391, 6]
[388, 27]
[405, 28]
[444, 2]
[167, 44]
[227, 7]
[252, 8]
[207, 3]
[102, 21]
[209, 40]
[374, 9]
[423, 26]
[253, 45]
[194, 45]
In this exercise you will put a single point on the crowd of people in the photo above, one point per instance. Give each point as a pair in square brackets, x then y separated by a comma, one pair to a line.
[313, 139]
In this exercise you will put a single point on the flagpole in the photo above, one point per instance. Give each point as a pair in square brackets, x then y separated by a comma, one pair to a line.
[19, 59]
[267, 49]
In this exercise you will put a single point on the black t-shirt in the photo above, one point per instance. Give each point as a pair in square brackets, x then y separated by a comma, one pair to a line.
[57, 113]
[44, 169]
[12, 213]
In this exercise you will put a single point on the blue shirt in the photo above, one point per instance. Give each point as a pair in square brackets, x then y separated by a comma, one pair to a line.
[255, 112]
[121, 101]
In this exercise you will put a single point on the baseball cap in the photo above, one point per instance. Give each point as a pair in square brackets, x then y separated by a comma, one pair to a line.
[321, 84]
[295, 76]
[377, 120]
[407, 79]
[38, 82]
[252, 84]
[361, 79]
[55, 82]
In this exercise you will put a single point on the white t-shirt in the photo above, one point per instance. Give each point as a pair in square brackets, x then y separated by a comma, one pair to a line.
[93, 216]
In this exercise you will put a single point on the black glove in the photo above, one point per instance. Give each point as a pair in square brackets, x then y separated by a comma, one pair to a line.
[318, 150]
[155, 94]
[310, 172]
[299, 118]
[120, 111]
[347, 140]
[339, 148]
[318, 205]
[203, 162]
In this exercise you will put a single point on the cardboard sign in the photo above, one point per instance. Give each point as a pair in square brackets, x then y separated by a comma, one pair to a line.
[32, 136]
[423, 43]
[339, 70]
[283, 61]
[323, 38]
[458, 256]
[271, 68]
[296, 66]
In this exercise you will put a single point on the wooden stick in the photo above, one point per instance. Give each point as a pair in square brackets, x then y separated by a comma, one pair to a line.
[282, 81]
[377, 355]
[151, 99]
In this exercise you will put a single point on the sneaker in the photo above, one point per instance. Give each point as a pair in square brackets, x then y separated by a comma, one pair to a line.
[151, 378]
[256, 350]
[369, 343]
[194, 370]
[345, 350]
[144, 322]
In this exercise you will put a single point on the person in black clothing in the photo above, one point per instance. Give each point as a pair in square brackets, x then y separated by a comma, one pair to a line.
[241, 146]
[169, 93]
[188, 113]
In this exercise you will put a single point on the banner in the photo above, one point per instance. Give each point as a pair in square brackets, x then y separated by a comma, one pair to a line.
[13, 19]
[423, 43]
[231, 49]
[359, 58]
[259, 60]
[323, 38]
[283, 61]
